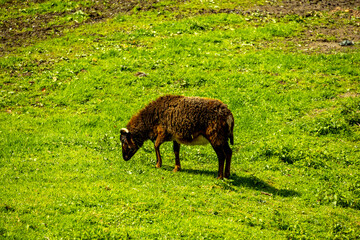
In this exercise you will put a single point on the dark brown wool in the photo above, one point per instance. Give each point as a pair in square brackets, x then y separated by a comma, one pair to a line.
[183, 120]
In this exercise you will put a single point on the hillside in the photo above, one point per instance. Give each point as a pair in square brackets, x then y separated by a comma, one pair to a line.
[72, 73]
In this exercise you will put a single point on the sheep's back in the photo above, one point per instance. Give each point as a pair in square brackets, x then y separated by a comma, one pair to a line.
[188, 115]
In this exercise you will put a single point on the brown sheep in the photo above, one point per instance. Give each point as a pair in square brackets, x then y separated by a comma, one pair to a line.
[183, 120]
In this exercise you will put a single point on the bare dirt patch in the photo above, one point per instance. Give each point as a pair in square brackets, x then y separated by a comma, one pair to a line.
[23, 31]
[349, 95]
[329, 39]
[326, 37]
[306, 7]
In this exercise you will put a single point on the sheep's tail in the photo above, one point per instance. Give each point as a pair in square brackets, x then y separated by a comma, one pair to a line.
[230, 123]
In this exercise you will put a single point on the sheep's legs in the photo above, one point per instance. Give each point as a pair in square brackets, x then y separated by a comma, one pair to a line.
[158, 157]
[221, 157]
[228, 153]
[223, 153]
[176, 148]
[158, 142]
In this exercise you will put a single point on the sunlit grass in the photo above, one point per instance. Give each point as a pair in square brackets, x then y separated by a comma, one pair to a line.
[295, 171]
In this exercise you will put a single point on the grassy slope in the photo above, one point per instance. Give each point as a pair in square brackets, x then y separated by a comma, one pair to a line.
[296, 154]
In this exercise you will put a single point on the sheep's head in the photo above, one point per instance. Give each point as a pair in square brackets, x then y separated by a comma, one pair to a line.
[129, 147]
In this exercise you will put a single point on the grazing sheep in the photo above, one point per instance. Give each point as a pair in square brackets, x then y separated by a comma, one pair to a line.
[183, 120]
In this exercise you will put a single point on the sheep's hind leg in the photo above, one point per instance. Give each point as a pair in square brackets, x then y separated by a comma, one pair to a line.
[176, 148]
[228, 153]
[221, 157]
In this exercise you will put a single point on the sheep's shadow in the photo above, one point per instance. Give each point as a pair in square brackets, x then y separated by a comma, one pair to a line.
[260, 185]
[251, 181]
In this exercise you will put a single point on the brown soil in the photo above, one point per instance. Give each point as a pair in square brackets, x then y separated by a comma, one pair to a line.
[324, 38]
[23, 31]
[306, 7]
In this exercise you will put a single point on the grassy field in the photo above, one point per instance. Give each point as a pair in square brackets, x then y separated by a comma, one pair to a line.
[64, 97]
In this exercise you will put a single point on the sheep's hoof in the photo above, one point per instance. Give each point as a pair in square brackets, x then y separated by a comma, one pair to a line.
[158, 165]
[177, 168]
[220, 177]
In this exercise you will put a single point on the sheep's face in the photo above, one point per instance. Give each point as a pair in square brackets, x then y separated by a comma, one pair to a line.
[128, 145]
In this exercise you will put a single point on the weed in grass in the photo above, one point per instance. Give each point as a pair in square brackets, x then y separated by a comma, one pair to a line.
[351, 111]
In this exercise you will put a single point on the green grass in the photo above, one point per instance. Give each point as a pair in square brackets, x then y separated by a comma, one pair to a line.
[295, 171]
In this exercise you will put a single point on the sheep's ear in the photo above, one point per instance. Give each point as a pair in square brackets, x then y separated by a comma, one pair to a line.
[124, 131]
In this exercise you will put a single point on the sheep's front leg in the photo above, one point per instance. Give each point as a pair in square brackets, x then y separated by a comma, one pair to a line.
[159, 140]
[176, 148]
[158, 156]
